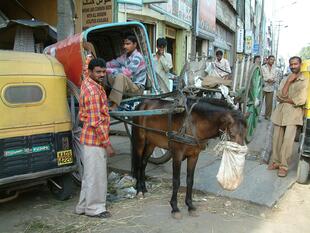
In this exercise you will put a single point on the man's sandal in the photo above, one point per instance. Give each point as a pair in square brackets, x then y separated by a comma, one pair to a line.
[273, 166]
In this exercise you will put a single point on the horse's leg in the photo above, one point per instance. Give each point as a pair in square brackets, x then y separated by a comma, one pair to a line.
[137, 156]
[148, 150]
[191, 164]
[176, 167]
[138, 176]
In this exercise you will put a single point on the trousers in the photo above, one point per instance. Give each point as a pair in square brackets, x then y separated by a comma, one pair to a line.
[94, 181]
[282, 144]
[268, 103]
[121, 85]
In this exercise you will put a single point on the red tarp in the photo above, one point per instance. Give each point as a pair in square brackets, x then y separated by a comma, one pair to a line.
[69, 53]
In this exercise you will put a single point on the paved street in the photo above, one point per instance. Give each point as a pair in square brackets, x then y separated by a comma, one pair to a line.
[38, 211]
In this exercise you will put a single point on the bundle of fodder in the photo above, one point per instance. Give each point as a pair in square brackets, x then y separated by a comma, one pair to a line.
[212, 81]
[230, 174]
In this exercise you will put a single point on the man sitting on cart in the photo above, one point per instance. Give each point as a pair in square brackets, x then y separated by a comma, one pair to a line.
[128, 72]
[222, 66]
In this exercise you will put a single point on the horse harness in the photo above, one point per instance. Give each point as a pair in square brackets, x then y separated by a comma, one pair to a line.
[182, 135]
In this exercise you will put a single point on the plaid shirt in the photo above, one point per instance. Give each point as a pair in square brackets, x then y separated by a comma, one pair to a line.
[94, 113]
[133, 67]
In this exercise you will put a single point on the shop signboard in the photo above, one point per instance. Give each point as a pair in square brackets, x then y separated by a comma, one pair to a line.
[96, 12]
[207, 15]
[240, 40]
[248, 42]
[255, 48]
[131, 2]
[181, 9]
[226, 15]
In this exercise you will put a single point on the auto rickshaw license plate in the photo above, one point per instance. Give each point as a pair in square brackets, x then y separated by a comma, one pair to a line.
[64, 157]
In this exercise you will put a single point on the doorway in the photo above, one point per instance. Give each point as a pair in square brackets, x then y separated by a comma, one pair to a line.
[171, 44]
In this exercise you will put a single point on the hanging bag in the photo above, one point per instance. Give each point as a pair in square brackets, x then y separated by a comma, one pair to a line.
[230, 173]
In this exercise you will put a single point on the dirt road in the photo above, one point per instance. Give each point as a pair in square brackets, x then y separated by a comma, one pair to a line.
[38, 211]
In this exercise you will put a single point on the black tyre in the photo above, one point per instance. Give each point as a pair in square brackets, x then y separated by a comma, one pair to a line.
[62, 187]
[160, 156]
[303, 171]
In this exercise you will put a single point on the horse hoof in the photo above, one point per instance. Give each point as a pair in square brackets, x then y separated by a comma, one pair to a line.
[140, 195]
[193, 213]
[176, 215]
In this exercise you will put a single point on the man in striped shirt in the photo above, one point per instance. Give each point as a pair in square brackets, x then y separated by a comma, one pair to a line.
[128, 72]
[94, 114]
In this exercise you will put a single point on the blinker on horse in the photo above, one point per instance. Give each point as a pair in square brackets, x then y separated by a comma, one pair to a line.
[207, 119]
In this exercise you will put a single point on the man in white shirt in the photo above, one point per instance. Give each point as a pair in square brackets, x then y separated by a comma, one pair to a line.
[163, 63]
[222, 66]
[269, 73]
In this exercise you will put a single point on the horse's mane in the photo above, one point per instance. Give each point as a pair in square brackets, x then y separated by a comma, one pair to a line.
[216, 102]
[209, 105]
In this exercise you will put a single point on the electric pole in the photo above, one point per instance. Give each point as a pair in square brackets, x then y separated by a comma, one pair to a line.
[278, 37]
[194, 28]
[65, 23]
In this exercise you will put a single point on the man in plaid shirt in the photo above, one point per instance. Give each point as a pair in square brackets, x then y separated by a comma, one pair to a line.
[94, 114]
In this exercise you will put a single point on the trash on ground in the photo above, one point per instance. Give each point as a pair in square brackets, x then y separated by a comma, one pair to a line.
[120, 187]
[126, 182]
[227, 203]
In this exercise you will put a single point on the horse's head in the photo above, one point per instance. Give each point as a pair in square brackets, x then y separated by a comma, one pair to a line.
[234, 125]
[222, 117]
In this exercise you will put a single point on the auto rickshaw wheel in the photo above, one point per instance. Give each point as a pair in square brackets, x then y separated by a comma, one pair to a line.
[303, 171]
[61, 187]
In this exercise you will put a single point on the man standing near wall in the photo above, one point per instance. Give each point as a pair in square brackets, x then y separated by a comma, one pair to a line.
[163, 62]
[270, 77]
[292, 95]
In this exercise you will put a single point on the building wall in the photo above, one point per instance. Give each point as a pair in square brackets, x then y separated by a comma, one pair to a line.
[42, 10]
[226, 26]
[162, 22]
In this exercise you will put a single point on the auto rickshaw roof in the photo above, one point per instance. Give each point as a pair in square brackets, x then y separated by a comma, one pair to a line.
[26, 63]
[114, 25]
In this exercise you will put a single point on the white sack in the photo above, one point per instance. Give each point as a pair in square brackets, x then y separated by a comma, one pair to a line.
[230, 174]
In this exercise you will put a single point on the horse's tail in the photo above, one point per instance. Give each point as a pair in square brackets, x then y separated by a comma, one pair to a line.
[134, 152]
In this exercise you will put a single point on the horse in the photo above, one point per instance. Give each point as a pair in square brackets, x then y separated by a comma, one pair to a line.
[206, 119]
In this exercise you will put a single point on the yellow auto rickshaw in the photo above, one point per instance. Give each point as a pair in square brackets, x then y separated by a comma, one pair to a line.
[304, 146]
[35, 125]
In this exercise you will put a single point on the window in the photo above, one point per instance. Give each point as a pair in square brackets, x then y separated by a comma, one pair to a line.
[23, 94]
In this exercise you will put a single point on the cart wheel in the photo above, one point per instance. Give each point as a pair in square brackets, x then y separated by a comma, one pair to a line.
[253, 101]
[303, 171]
[61, 187]
[160, 156]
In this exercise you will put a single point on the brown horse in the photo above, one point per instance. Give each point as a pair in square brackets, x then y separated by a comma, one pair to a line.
[207, 118]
